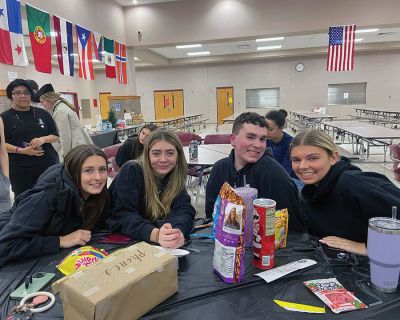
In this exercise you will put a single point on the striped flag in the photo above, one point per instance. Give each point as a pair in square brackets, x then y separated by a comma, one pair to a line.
[97, 45]
[85, 53]
[341, 48]
[65, 47]
[12, 48]
[109, 58]
[120, 59]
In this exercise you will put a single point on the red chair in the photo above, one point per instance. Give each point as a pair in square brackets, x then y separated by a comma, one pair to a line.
[111, 152]
[223, 138]
[395, 156]
[186, 137]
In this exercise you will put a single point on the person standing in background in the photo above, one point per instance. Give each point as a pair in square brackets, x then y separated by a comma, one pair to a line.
[29, 132]
[5, 200]
[71, 132]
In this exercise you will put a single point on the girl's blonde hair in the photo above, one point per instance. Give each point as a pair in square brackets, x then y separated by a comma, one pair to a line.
[54, 97]
[158, 205]
[314, 137]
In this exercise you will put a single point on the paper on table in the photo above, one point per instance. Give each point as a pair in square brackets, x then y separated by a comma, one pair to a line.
[278, 272]
[175, 252]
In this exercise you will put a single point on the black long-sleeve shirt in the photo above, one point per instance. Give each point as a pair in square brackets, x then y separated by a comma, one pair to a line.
[128, 206]
[266, 175]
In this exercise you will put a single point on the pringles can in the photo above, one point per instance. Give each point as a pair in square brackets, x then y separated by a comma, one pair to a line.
[264, 233]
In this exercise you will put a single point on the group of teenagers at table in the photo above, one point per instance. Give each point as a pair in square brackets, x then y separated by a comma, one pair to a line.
[148, 201]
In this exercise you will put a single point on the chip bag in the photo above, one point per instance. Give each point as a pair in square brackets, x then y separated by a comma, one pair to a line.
[334, 295]
[81, 258]
[281, 228]
[229, 224]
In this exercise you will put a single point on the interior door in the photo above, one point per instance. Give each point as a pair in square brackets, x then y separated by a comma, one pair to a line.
[168, 104]
[225, 106]
[104, 104]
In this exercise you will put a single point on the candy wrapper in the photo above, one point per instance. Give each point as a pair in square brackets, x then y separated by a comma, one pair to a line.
[80, 258]
[281, 228]
[229, 223]
[334, 295]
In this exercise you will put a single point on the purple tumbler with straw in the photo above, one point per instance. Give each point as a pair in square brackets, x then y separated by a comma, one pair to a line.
[383, 248]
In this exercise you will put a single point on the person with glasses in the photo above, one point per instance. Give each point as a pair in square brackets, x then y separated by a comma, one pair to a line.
[29, 132]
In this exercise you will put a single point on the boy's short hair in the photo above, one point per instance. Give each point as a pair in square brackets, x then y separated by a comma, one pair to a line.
[248, 117]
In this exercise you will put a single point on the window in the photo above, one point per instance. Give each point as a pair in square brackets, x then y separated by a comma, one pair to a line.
[347, 93]
[262, 98]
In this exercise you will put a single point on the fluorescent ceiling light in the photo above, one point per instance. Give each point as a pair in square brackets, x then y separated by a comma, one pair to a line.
[270, 39]
[358, 40]
[366, 30]
[268, 48]
[199, 53]
[188, 46]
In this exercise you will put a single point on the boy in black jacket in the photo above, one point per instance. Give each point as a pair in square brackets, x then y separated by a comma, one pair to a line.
[249, 159]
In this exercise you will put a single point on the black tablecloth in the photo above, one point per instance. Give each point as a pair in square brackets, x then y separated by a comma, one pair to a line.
[202, 295]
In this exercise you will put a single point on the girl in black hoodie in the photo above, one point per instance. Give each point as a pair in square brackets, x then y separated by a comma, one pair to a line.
[338, 198]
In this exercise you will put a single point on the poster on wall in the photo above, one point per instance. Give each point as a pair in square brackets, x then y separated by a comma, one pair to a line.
[12, 75]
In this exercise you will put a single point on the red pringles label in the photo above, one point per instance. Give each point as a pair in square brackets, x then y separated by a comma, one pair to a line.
[264, 233]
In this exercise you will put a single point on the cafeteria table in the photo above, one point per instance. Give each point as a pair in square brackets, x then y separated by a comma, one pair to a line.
[202, 295]
[371, 135]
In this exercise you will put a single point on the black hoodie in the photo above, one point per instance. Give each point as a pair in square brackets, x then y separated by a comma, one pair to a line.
[345, 199]
[266, 175]
[40, 216]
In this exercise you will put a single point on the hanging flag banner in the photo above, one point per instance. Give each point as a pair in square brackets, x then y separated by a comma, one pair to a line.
[120, 58]
[97, 45]
[109, 58]
[85, 53]
[65, 46]
[341, 48]
[12, 49]
[39, 34]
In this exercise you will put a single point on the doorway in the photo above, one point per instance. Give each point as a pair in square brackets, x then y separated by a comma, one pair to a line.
[104, 104]
[225, 107]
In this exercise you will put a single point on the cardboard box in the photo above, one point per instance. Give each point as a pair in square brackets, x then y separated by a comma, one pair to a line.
[125, 285]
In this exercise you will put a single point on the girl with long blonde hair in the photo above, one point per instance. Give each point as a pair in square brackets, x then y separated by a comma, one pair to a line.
[149, 199]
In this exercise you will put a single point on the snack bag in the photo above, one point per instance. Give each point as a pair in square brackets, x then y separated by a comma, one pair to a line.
[281, 228]
[334, 295]
[229, 246]
[80, 258]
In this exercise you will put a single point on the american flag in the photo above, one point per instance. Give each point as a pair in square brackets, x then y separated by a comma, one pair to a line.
[341, 48]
